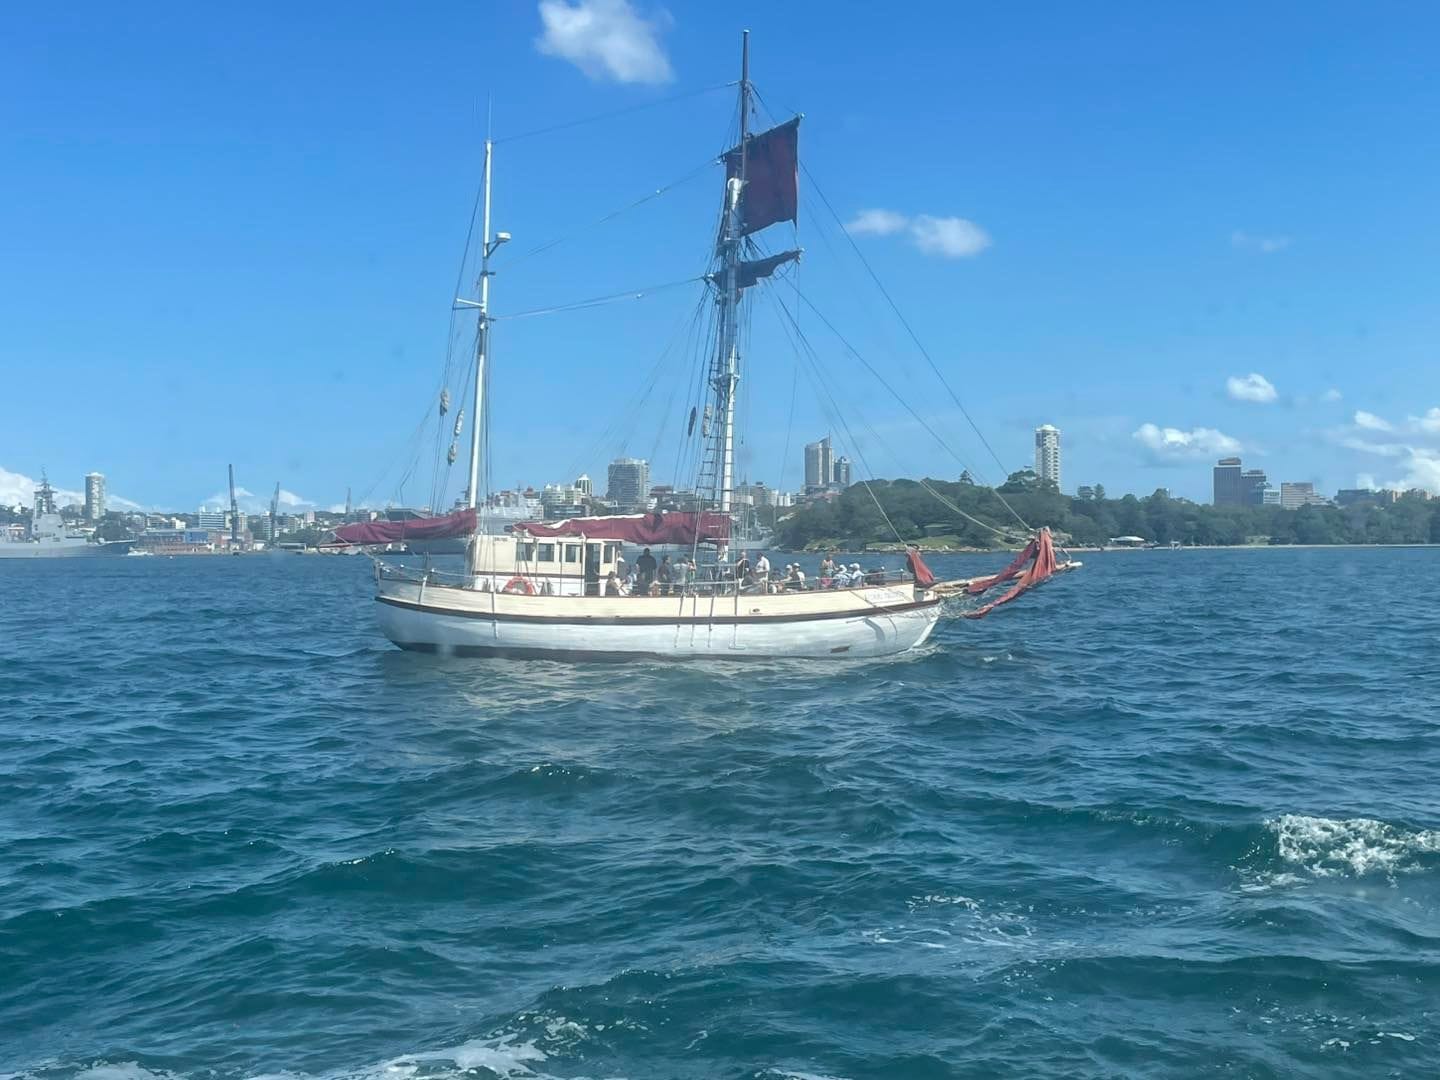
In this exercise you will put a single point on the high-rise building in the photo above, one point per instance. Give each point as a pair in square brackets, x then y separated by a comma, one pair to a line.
[1253, 485]
[1229, 484]
[582, 485]
[211, 519]
[1047, 454]
[842, 471]
[94, 496]
[629, 483]
[1298, 494]
[819, 465]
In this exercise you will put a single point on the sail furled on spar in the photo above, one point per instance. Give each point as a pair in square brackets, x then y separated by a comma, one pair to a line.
[659, 527]
[772, 183]
[446, 526]
[748, 273]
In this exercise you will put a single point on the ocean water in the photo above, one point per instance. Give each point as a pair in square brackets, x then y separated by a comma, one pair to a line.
[1175, 815]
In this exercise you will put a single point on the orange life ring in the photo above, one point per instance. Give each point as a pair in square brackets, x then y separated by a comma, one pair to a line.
[518, 584]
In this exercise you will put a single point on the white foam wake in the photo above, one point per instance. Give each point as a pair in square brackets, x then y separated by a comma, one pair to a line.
[1357, 847]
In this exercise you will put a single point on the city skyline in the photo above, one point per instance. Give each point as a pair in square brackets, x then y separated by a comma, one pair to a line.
[1287, 321]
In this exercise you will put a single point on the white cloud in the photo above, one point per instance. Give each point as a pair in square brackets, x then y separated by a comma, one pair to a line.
[1370, 422]
[252, 503]
[1253, 387]
[1331, 395]
[948, 237]
[1429, 423]
[606, 39]
[17, 489]
[1365, 446]
[952, 237]
[1266, 245]
[877, 223]
[1174, 444]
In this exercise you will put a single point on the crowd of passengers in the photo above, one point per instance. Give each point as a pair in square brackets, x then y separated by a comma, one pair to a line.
[666, 577]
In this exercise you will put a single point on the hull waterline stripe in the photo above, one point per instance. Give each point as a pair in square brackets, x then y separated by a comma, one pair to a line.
[660, 620]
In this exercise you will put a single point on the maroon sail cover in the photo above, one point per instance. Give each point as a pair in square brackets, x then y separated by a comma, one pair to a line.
[459, 523]
[748, 273]
[660, 527]
[772, 191]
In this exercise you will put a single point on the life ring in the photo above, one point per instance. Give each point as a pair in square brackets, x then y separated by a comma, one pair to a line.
[518, 584]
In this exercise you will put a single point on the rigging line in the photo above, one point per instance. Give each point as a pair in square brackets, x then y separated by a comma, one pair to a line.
[598, 301]
[918, 418]
[612, 215]
[913, 336]
[626, 111]
[808, 351]
[876, 374]
[855, 445]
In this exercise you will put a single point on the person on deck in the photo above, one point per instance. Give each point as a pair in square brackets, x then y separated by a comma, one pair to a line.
[857, 576]
[612, 584]
[827, 566]
[664, 574]
[742, 572]
[621, 571]
[644, 571]
[762, 569]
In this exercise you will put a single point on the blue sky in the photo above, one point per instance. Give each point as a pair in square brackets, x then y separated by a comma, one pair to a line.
[1173, 233]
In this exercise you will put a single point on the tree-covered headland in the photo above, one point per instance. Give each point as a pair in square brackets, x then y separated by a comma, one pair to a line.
[852, 519]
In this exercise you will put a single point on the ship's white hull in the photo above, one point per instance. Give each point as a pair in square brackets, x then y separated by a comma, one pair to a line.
[842, 624]
[63, 549]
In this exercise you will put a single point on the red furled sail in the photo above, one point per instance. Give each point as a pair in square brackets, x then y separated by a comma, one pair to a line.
[458, 523]
[1039, 553]
[772, 190]
[660, 527]
[923, 577]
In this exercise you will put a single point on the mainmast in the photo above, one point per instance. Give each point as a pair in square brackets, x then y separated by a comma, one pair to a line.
[729, 373]
[488, 244]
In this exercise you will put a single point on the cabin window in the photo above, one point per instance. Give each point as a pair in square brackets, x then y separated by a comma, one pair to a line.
[547, 553]
[610, 552]
[572, 552]
[527, 552]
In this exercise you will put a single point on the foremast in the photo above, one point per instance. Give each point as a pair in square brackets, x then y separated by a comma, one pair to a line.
[727, 377]
[761, 189]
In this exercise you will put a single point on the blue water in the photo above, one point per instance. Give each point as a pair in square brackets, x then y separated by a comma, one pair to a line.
[1175, 815]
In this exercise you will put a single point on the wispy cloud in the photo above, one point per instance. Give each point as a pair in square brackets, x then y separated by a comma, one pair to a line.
[948, 237]
[1332, 395]
[606, 39]
[1265, 245]
[1429, 423]
[1253, 387]
[877, 223]
[1370, 422]
[1174, 444]
[1415, 464]
[17, 489]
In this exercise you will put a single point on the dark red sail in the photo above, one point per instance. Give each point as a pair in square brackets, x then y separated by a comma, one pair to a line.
[772, 191]
[459, 523]
[658, 528]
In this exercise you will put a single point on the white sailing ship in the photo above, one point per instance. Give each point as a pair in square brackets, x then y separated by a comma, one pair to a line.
[540, 590]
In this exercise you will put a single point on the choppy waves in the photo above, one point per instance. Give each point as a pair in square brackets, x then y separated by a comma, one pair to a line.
[1135, 826]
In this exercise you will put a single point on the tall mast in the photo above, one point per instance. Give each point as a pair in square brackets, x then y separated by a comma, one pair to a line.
[482, 337]
[729, 374]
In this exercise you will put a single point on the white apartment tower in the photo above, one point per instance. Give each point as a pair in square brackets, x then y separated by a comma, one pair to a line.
[94, 496]
[1047, 454]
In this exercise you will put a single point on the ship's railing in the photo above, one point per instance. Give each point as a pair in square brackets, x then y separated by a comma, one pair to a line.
[711, 581]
